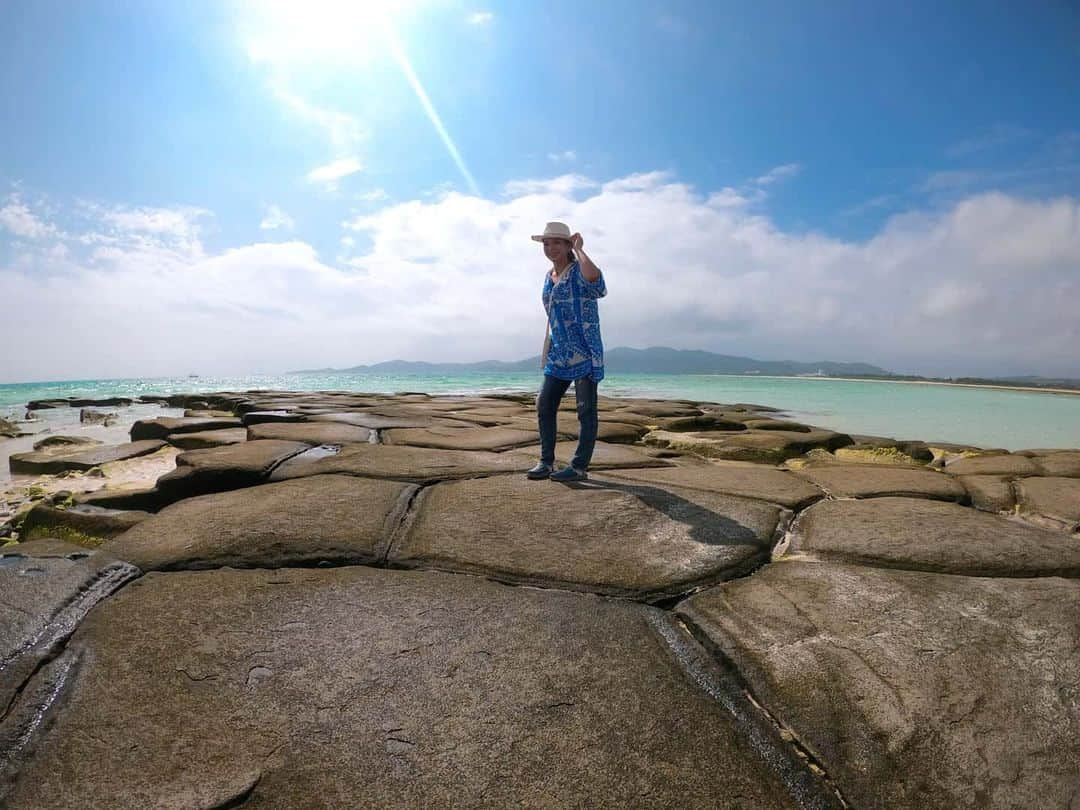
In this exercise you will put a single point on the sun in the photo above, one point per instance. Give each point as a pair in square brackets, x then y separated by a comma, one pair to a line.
[339, 31]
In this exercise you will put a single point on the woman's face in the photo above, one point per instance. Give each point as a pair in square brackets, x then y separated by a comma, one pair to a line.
[557, 250]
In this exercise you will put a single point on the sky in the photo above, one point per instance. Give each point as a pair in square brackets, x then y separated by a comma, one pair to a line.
[255, 187]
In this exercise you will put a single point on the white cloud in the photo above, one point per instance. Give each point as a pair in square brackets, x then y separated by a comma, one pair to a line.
[274, 218]
[374, 195]
[332, 173]
[778, 173]
[342, 130]
[480, 18]
[177, 222]
[985, 286]
[18, 219]
[569, 156]
[563, 185]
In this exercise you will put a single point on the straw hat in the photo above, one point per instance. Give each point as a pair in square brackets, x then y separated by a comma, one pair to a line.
[554, 230]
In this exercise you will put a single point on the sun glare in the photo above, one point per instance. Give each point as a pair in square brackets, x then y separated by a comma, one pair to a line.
[320, 30]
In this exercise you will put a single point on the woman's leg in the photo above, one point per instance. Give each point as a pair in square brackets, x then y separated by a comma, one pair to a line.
[547, 411]
[589, 420]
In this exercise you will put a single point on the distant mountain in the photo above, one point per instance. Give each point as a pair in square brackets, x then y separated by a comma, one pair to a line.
[655, 360]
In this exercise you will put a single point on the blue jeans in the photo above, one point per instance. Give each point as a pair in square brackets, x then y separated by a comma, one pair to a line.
[547, 410]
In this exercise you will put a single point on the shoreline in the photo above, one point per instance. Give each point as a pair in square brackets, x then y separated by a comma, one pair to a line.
[1032, 389]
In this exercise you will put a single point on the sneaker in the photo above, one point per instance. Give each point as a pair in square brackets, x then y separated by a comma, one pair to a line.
[568, 474]
[539, 472]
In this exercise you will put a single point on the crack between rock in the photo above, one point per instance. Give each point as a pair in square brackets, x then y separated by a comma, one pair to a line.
[51, 640]
[16, 732]
[14, 740]
[798, 768]
[402, 517]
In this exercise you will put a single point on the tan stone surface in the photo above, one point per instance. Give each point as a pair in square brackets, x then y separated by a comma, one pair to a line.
[1054, 501]
[999, 464]
[740, 478]
[991, 493]
[923, 535]
[401, 463]
[335, 519]
[451, 438]
[207, 438]
[866, 481]
[604, 535]
[356, 687]
[913, 689]
[312, 433]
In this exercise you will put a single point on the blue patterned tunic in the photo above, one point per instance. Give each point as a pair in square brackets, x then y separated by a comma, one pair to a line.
[574, 325]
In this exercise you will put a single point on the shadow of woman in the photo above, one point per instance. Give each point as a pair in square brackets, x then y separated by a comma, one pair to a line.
[706, 527]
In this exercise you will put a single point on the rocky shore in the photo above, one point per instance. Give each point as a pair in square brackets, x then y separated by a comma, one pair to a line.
[336, 599]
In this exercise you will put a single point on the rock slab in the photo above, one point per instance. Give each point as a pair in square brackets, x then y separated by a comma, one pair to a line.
[356, 687]
[607, 536]
[922, 535]
[913, 689]
[334, 519]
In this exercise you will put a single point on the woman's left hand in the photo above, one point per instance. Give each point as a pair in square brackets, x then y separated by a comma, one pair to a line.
[577, 242]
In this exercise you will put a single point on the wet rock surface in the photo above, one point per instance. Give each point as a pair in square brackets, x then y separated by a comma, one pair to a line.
[734, 610]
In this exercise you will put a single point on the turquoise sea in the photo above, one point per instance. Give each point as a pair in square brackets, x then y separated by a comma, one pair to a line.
[979, 416]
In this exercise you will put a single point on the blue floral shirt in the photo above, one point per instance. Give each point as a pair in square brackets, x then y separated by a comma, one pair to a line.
[574, 326]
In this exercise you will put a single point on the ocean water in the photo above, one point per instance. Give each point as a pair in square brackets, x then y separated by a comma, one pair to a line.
[983, 417]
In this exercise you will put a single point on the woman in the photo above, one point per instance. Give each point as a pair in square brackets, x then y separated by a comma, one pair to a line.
[573, 351]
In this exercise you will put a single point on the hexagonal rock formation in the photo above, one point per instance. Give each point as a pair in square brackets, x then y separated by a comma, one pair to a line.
[323, 519]
[202, 439]
[767, 446]
[356, 687]
[44, 462]
[741, 478]
[82, 525]
[218, 469]
[605, 456]
[1062, 463]
[872, 481]
[998, 464]
[399, 463]
[605, 535]
[1052, 501]
[312, 433]
[923, 535]
[480, 438]
[376, 421]
[991, 493]
[164, 425]
[913, 689]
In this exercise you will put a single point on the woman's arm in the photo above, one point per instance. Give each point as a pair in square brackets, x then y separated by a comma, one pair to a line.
[589, 271]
